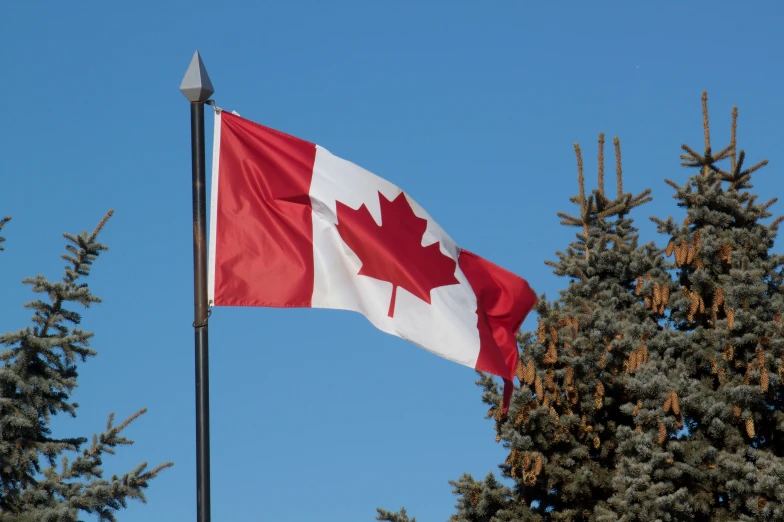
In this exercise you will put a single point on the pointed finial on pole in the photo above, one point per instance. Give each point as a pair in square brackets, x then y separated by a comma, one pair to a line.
[196, 84]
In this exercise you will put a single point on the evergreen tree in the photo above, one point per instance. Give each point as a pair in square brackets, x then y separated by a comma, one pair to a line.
[724, 338]
[652, 389]
[38, 373]
[574, 372]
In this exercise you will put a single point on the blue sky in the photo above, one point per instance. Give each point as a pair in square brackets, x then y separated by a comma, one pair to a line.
[471, 107]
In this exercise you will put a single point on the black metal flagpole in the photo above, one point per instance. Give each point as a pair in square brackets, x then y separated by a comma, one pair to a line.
[197, 88]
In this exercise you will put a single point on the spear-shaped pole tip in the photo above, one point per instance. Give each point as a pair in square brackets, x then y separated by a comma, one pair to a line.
[196, 84]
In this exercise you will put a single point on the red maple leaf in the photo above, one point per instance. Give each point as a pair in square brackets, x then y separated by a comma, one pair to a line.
[393, 251]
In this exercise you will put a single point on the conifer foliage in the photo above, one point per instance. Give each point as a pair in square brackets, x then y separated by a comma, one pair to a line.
[652, 387]
[725, 334]
[38, 373]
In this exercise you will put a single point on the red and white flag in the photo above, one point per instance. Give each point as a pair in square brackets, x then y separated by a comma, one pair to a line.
[293, 225]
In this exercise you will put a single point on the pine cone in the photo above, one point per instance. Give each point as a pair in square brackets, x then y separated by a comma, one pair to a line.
[656, 295]
[695, 305]
[690, 254]
[676, 409]
[780, 371]
[638, 429]
[722, 375]
[596, 442]
[551, 356]
[718, 299]
[538, 466]
[633, 361]
[569, 378]
[474, 496]
[523, 416]
[728, 353]
[713, 365]
[670, 247]
[527, 462]
[499, 413]
[530, 373]
[764, 380]
[747, 376]
[668, 403]
[760, 357]
[681, 253]
[731, 318]
[665, 295]
[725, 253]
[520, 370]
[647, 302]
[548, 381]
[662, 433]
[686, 221]
[750, 428]
[736, 411]
[553, 334]
[538, 388]
[637, 408]
[643, 357]
[702, 306]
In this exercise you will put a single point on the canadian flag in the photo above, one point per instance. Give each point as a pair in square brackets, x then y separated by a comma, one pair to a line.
[293, 225]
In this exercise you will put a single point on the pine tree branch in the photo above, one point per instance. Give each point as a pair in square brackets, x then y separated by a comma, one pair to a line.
[2, 224]
[88, 251]
[757, 166]
[769, 204]
[389, 516]
[673, 184]
[705, 121]
[724, 153]
[600, 161]
[568, 220]
[580, 176]
[618, 167]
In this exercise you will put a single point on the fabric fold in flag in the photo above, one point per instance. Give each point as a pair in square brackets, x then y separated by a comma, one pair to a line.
[293, 225]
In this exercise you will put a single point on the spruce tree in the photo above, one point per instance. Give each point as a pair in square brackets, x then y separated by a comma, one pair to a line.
[724, 337]
[574, 372]
[683, 360]
[38, 373]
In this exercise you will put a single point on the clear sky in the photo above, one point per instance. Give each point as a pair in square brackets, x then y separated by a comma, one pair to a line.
[471, 107]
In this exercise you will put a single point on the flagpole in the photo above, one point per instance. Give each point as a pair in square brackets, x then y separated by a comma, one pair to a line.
[197, 88]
